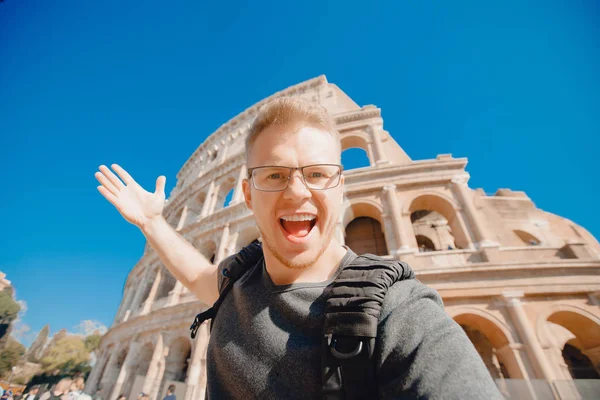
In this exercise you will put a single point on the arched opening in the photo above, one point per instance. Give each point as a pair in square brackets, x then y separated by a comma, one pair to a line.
[226, 187]
[208, 249]
[435, 218]
[148, 286]
[432, 231]
[194, 209]
[527, 238]
[228, 198]
[424, 244]
[177, 362]
[487, 338]
[110, 380]
[580, 353]
[364, 235]
[167, 283]
[355, 158]
[580, 366]
[355, 152]
[246, 237]
[140, 368]
[175, 220]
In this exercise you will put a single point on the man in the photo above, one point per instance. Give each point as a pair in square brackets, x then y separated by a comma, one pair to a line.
[170, 393]
[294, 189]
[32, 394]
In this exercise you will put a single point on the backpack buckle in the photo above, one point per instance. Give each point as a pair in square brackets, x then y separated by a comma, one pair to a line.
[200, 318]
[342, 355]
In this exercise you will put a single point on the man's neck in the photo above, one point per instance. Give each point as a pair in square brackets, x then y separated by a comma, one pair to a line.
[322, 270]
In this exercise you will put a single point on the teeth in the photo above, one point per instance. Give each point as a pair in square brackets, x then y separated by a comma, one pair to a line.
[298, 217]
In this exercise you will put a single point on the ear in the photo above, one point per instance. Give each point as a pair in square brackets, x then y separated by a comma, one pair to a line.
[247, 193]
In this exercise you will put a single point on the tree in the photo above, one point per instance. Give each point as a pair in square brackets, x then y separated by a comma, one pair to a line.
[9, 309]
[92, 341]
[10, 354]
[35, 350]
[68, 355]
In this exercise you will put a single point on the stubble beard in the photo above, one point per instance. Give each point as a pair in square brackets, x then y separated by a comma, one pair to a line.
[290, 264]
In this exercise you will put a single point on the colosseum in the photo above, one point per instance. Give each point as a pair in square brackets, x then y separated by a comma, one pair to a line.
[523, 283]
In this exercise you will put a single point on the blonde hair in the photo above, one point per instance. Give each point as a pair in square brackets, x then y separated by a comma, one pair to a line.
[77, 384]
[288, 111]
[63, 385]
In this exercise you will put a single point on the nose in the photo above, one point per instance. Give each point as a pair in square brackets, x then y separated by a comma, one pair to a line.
[296, 188]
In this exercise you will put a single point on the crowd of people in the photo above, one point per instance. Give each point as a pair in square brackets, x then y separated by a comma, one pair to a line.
[65, 389]
[72, 389]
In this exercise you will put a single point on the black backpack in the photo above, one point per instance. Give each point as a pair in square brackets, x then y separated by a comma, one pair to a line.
[351, 318]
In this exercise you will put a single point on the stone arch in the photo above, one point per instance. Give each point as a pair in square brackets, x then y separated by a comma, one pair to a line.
[167, 284]
[568, 316]
[527, 238]
[140, 366]
[194, 208]
[490, 338]
[580, 348]
[424, 243]
[177, 361]
[364, 229]
[448, 209]
[227, 186]
[357, 140]
[362, 208]
[175, 219]
[208, 248]
[247, 236]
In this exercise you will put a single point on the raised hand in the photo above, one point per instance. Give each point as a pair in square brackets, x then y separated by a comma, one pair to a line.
[134, 203]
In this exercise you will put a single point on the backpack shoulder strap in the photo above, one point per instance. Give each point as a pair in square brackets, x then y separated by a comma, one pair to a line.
[351, 321]
[231, 269]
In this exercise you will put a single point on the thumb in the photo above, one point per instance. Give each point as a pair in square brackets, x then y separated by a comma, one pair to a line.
[160, 185]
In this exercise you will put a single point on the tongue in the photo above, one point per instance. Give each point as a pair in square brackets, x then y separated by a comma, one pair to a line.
[296, 228]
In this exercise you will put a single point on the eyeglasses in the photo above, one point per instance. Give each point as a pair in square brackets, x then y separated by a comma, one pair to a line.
[315, 177]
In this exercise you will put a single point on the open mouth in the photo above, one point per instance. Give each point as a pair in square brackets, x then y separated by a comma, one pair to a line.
[298, 225]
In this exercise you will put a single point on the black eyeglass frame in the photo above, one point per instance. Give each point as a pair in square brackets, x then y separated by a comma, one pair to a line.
[292, 169]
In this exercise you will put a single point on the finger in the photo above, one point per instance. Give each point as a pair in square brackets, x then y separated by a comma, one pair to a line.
[112, 177]
[160, 184]
[108, 195]
[106, 183]
[122, 174]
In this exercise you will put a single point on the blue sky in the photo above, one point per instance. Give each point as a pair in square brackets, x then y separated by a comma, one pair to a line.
[513, 86]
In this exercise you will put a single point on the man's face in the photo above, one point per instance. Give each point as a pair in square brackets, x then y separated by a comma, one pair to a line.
[292, 244]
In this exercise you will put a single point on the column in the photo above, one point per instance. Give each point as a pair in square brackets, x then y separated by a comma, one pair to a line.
[181, 223]
[125, 305]
[380, 158]
[208, 200]
[140, 291]
[160, 372]
[157, 355]
[214, 198]
[107, 377]
[150, 300]
[532, 347]
[511, 356]
[124, 372]
[482, 236]
[396, 214]
[221, 253]
[95, 375]
[195, 369]
[175, 294]
[238, 193]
